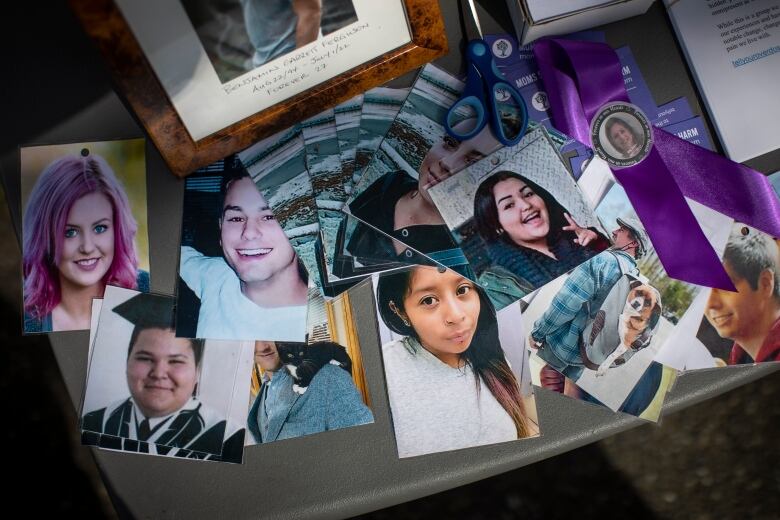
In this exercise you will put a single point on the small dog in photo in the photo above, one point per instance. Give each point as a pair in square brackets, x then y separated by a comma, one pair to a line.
[642, 310]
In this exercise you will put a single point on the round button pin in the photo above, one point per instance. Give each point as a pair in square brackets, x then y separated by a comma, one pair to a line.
[621, 134]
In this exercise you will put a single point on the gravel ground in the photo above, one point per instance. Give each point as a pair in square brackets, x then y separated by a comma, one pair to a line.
[715, 460]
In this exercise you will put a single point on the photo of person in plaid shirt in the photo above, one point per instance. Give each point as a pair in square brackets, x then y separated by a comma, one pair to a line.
[557, 333]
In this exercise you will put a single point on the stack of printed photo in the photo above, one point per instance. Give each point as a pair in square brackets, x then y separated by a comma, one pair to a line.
[491, 270]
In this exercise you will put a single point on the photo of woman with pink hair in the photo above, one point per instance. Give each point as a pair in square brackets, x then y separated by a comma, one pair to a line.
[78, 236]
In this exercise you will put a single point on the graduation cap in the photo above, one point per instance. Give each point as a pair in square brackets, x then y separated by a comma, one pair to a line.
[152, 311]
[147, 311]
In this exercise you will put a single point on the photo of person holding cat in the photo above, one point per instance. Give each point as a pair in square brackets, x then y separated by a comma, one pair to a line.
[449, 383]
[305, 389]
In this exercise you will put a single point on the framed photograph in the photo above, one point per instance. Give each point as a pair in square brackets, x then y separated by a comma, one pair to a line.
[207, 79]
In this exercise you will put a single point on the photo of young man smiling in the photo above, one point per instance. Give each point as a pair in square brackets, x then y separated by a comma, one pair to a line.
[258, 289]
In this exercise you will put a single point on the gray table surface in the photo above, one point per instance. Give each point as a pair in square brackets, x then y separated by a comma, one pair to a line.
[67, 98]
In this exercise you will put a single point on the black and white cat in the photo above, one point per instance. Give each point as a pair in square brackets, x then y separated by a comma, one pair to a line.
[303, 361]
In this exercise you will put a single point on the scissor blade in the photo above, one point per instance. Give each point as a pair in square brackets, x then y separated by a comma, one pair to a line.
[471, 27]
[475, 16]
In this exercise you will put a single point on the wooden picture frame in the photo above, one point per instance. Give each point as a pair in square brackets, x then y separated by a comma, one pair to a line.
[137, 82]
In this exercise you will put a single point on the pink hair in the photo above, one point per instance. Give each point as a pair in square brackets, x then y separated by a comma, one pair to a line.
[61, 184]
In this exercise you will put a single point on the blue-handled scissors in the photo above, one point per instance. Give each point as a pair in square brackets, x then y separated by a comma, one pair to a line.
[488, 97]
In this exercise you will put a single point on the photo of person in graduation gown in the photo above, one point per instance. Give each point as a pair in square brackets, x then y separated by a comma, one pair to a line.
[448, 381]
[78, 235]
[162, 414]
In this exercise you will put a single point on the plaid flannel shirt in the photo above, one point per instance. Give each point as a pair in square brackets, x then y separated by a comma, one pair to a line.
[561, 325]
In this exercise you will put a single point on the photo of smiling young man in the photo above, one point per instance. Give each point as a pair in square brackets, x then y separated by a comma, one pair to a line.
[744, 326]
[144, 389]
[257, 289]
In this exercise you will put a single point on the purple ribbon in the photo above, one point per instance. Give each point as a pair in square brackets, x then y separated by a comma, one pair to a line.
[580, 78]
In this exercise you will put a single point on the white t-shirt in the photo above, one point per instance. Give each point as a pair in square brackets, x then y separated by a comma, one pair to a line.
[225, 313]
[436, 407]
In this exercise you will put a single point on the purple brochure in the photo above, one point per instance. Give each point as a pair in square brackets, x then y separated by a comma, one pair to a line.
[506, 50]
[636, 86]
[692, 131]
[674, 111]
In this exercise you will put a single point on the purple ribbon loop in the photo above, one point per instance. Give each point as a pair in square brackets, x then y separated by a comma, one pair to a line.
[580, 78]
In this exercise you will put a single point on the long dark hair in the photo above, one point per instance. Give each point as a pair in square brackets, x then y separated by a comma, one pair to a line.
[484, 354]
[486, 212]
